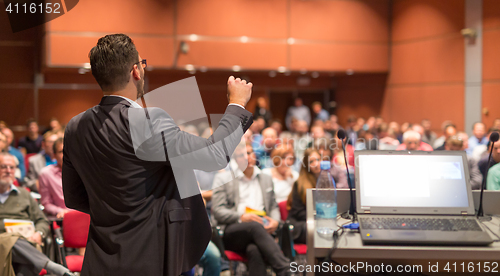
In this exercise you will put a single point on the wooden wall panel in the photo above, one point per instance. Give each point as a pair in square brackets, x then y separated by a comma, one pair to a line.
[217, 54]
[17, 106]
[436, 60]
[65, 104]
[71, 51]
[491, 101]
[491, 14]
[117, 16]
[340, 20]
[226, 18]
[491, 50]
[339, 57]
[413, 19]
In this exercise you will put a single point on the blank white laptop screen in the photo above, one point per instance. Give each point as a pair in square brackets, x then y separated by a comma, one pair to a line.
[412, 181]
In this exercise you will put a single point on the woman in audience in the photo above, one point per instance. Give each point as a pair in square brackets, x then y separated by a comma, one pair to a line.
[297, 199]
[283, 176]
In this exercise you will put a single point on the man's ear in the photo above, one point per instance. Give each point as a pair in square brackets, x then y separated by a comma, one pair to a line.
[135, 73]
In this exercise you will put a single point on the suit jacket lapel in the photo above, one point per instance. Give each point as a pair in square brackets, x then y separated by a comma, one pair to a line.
[264, 192]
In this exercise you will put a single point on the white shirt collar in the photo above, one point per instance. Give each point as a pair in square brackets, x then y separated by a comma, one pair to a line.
[134, 104]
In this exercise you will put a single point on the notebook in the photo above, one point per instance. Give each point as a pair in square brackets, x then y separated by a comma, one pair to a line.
[416, 197]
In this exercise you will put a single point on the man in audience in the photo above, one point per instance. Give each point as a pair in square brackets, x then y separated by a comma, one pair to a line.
[412, 141]
[441, 139]
[32, 142]
[50, 184]
[319, 112]
[39, 161]
[450, 130]
[482, 150]
[457, 144]
[495, 158]
[17, 153]
[16, 203]
[493, 181]
[478, 137]
[245, 232]
[298, 111]
[428, 136]
[263, 151]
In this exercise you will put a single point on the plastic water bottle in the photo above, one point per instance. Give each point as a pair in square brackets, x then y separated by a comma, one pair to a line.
[326, 202]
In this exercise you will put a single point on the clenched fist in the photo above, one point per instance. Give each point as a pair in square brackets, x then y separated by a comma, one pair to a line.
[238, 91]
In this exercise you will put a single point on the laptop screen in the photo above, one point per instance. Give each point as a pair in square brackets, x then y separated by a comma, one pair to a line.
[402, 179]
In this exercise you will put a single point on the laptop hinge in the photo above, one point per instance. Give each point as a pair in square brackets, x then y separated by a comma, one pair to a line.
[464, 213]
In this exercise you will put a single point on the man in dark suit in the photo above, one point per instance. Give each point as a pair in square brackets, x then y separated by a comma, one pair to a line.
[140, 224]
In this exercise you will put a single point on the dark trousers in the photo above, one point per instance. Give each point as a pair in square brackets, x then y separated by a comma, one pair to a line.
[252, 240]
[26, 260]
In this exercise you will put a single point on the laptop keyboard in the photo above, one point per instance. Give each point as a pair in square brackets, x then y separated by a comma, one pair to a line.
[440, 224]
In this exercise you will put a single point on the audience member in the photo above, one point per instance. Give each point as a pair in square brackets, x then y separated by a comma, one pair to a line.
[262, 110]
[493, 181]
[478, 137]
[50, 184]
[495, 158]
[9, 135]
[440, 140]
[298, 111]
[16, 203]
[246, 232]
[496, 123]
[412, 141]
[276, 124]
[54, 126]
[319, 112]
[352, 129]
[296, 203]
[301, 140]
[390, 141]
[3, 125]
[282, 173]
[40, 160]
[428, 136]
[420, 129]
[263, 151]
[338, 173]
[456, 143]
[450, 130]
[32, 142]
[482, 150]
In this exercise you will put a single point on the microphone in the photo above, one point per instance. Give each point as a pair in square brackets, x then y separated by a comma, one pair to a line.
[493, 139]
[352, 210]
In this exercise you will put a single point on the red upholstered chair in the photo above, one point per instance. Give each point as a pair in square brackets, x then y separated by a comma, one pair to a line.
[27, 161]
[75, 231]
[229, 255]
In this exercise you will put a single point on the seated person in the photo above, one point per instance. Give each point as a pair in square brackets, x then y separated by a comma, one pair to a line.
[283, 176]
[40, 160]
[412, 141]
[495, 159]
[16, 203]
[297, 200]
[455, 143]
[50, 184]
[493, 181]
[17, 153]
[247, 233]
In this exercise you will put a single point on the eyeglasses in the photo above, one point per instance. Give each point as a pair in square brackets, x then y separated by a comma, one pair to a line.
[142, 62]
[3, 167]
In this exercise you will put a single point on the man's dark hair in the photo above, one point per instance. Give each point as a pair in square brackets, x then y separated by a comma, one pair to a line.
[111, 60]
[30, 120]
[56, 144]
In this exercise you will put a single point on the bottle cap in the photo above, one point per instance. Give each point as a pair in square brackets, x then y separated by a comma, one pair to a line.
[325, 165]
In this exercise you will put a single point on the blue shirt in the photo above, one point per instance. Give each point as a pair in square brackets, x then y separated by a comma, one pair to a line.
[48, 160]
[20, 158]
[323, 115]
[4, 196]
[474, 142]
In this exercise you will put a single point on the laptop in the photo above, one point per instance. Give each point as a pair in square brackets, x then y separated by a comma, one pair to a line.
[416, 197]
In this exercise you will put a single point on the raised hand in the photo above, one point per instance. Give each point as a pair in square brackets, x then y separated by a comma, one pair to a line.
[238, 91]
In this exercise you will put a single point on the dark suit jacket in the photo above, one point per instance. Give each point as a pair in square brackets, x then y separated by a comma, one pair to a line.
[139, 223]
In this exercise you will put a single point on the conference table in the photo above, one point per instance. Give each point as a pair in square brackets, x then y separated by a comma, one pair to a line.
[353, 256]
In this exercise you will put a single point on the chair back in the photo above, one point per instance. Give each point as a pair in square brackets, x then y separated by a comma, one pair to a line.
[75, 229]
[283, 210]
[27, 161]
